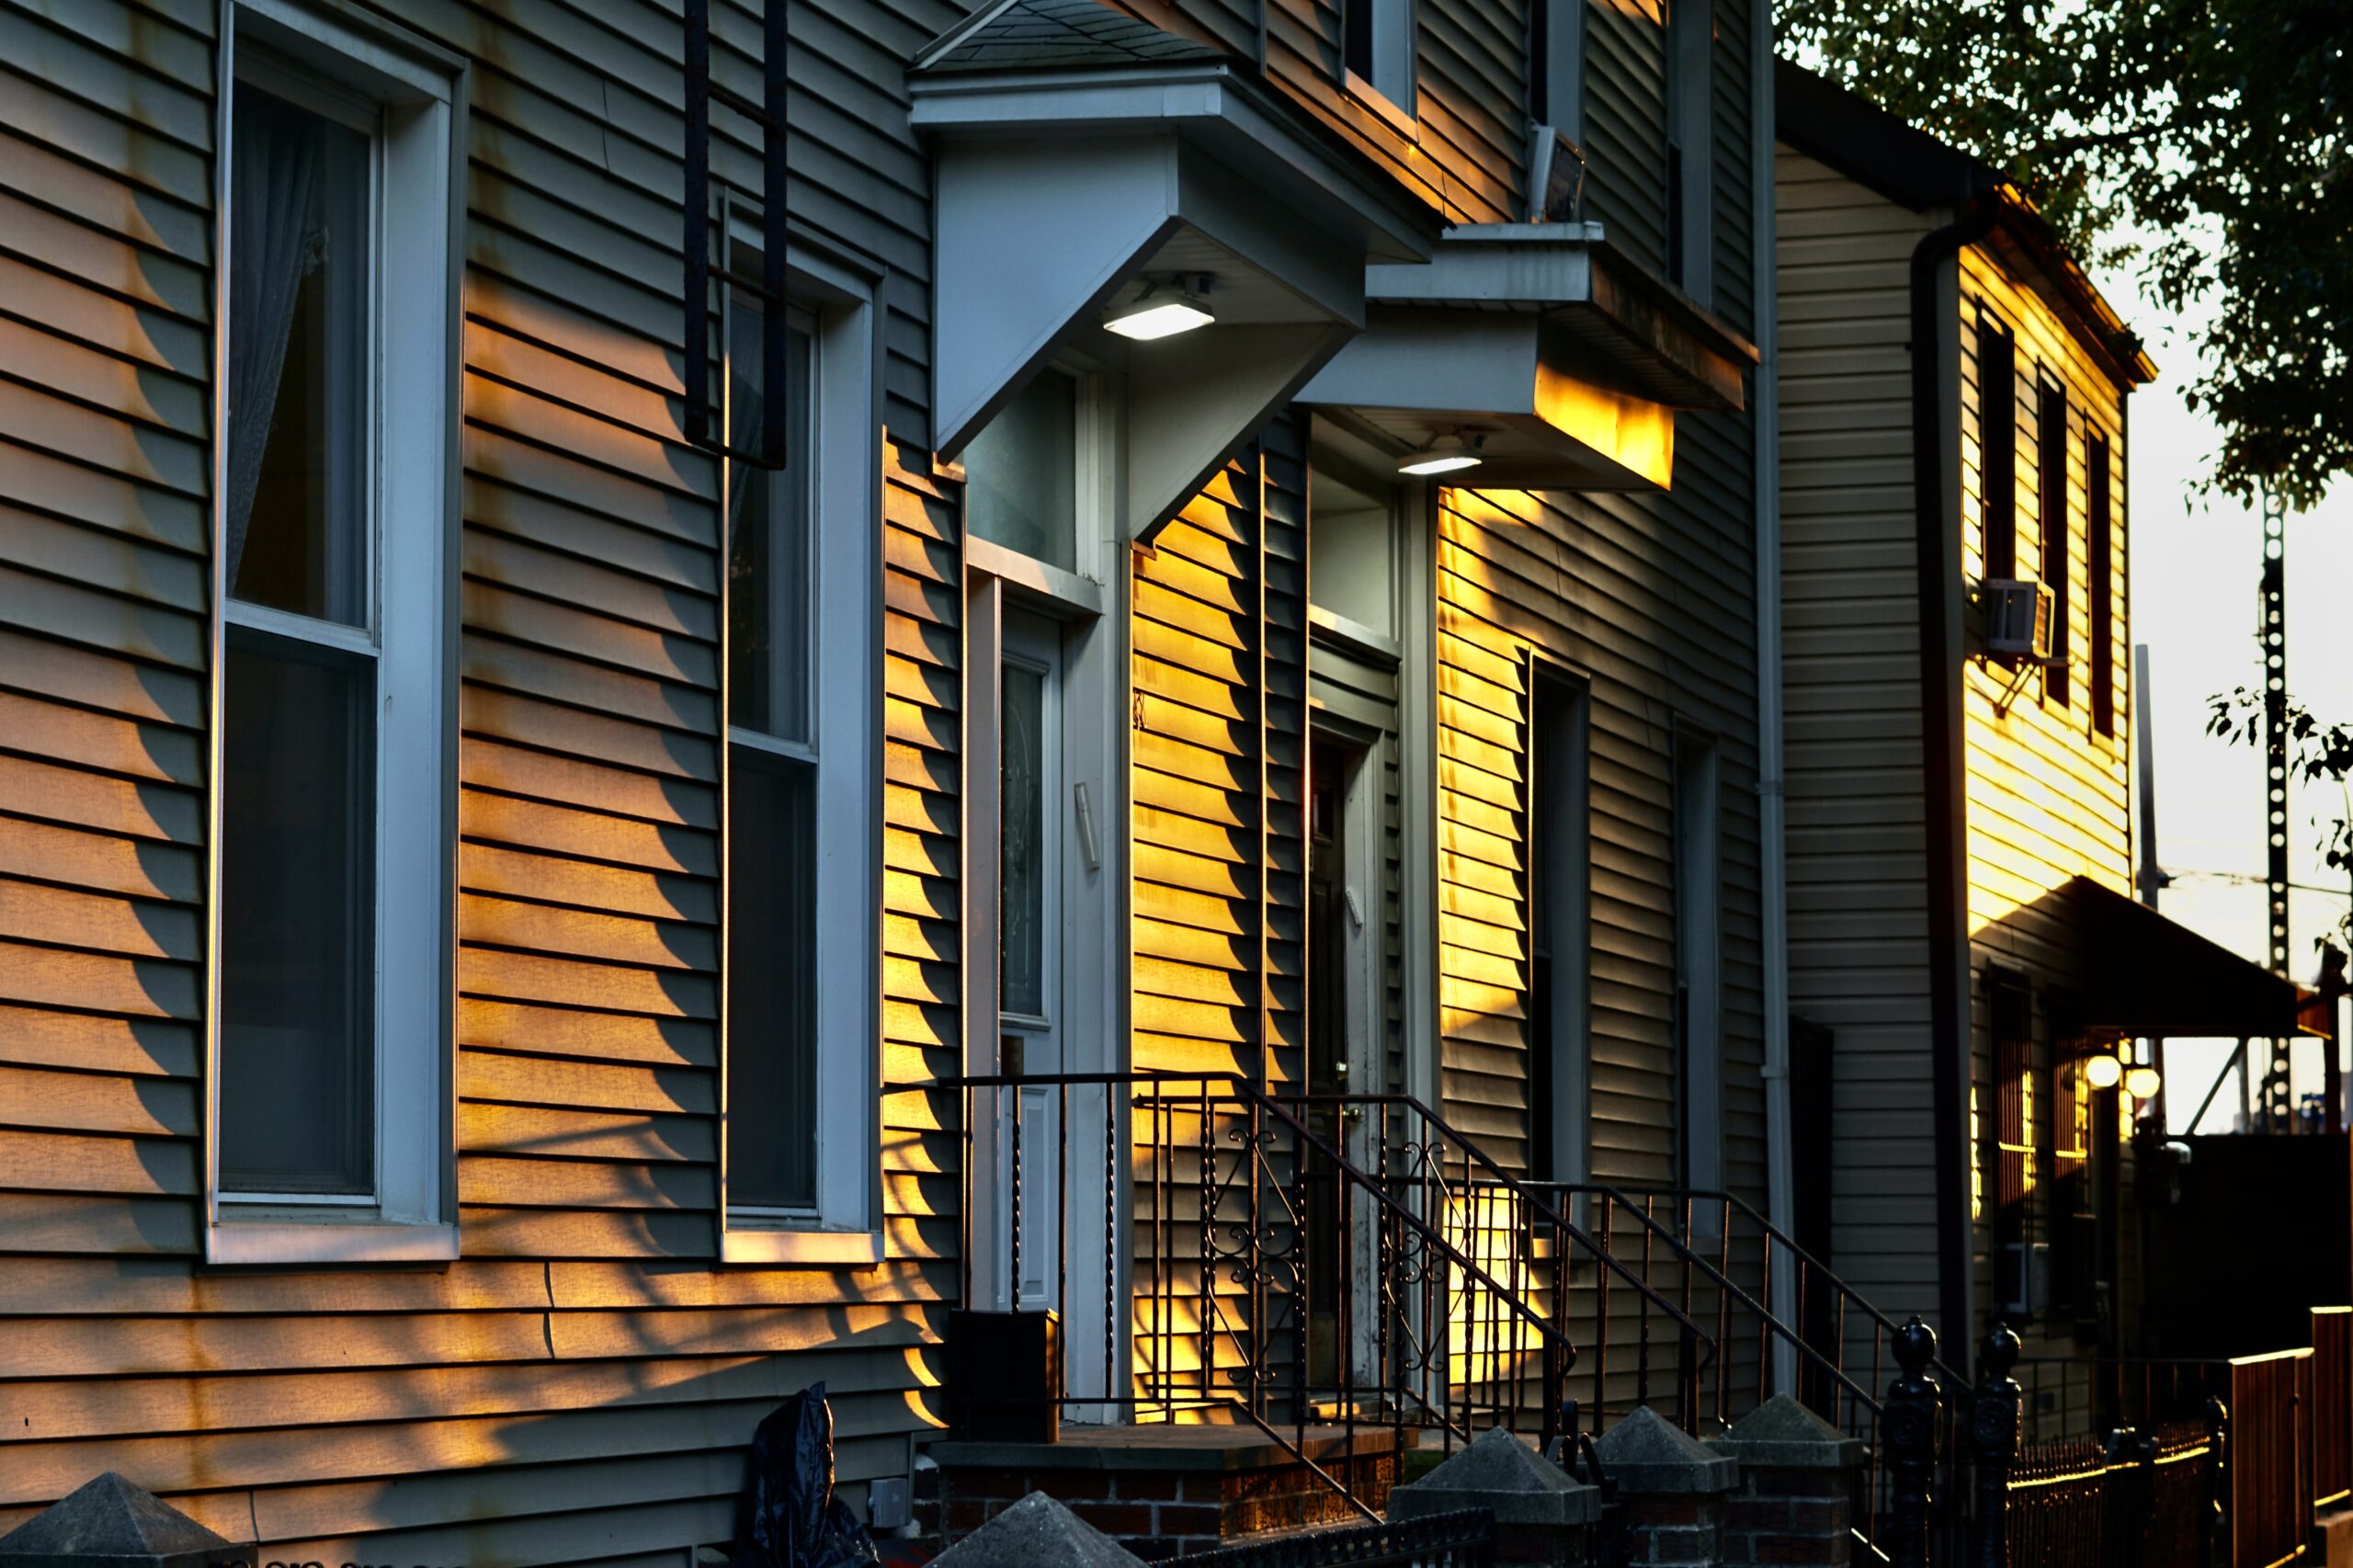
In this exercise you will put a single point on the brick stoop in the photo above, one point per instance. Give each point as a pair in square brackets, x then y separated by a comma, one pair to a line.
[1164, 1491]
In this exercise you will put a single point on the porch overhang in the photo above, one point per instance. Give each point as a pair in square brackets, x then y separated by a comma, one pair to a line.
[1064, 189]
[2142, 974]
[1562, 362]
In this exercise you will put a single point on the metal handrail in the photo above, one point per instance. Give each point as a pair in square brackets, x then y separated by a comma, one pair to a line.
[1953, 1382]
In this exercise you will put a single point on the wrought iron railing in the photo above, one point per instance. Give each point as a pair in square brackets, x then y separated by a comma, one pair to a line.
[1308, 1262]
[1723, 1262]
[1462, 1540]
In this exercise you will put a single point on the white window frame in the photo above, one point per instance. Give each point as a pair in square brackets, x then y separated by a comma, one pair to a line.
[1094, 681]
[1391, 91]
[414, 392]
[845, 715]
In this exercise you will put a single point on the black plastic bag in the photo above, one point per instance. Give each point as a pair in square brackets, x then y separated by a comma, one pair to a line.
[789, 1517]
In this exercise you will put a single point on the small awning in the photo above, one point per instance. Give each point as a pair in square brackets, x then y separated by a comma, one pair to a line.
[2143, 975]
[1086, 157]
[1539, 344]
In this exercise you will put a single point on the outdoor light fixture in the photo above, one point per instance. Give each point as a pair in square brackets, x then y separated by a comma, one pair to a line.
[2141, 1082]
[2103, 1072]
[1162, 310]
[1447, 454]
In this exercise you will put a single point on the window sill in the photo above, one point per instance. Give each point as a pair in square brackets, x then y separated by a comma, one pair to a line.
[807, 1249]
[1380, 105]
[329, 1241]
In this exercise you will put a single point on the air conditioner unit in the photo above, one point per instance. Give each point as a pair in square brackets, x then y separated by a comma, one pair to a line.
[2017, 620]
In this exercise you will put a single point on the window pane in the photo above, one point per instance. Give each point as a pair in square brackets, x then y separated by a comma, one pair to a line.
[771, 981]
[768, 662]
[1022, 473]
[298, 350]
[296, 919]
[1022, 939]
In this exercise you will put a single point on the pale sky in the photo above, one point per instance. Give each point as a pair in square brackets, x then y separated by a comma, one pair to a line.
[2196, 566]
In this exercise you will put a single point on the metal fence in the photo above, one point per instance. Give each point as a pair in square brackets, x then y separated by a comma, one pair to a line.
[2132, 1500]
[1462, 1539]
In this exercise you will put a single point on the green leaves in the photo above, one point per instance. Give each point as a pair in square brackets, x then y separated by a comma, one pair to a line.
[2217, 130]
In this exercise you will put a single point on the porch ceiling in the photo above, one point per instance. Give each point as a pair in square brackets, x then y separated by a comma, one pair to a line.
[1558, 360]
[1065, 188]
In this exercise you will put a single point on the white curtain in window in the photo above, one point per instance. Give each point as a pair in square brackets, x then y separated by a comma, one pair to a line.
[273, 238]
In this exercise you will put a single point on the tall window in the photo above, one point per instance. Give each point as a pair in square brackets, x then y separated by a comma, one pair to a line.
[334, 902]
[2099, 566]
[1555, 64]
[1560, 826]
[2051, 464]
[1691, 157]
[802, 980]
[1377, 48]
[1997, 446]
[1699, 971]
[773, 757]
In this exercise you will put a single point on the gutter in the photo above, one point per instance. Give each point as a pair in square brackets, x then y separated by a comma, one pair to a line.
[1943, 798]
[1780, 1179]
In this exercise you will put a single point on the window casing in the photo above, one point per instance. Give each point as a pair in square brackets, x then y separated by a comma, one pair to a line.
[1556, 65]
[1559, 835]
[1997, 439]
[1377, 56]
[1691, 154]
[1698, 965]
[2051, 463]
[2100, 569]
[331, 985]
[802, 981]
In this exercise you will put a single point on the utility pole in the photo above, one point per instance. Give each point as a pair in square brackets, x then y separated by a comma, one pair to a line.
[2150, 878]
[2278, 1113]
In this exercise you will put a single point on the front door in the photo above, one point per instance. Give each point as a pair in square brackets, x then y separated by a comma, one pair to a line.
[1342, 915]
[1029, 995]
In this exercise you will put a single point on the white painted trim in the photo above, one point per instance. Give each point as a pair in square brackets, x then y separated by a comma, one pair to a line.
[845, 527]
[1065, 591]
[741, 1243]
[370, 1241]
[413, 395]
[1418, 803]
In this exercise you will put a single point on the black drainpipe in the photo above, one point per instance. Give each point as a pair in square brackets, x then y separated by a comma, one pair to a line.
[1940, 742]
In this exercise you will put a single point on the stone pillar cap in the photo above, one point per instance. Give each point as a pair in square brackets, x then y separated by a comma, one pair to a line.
[1037, 1532]
[112, 1523]
[1782, 1433]
[1500, 1474]
[1647, 1453]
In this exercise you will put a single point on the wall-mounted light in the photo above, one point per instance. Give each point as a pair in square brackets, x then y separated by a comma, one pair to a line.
[2141, 1082]
[1162, 310]
[2103, 1072]
[1447, 454]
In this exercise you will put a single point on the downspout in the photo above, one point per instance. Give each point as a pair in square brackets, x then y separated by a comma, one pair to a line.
[1940, 763]
[1780, 1181]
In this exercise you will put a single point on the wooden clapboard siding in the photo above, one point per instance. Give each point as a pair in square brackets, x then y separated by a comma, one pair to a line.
[1653, 599]
[1220, 693]
[1625, 127]
[1467, 154]
[1858, 890]
[581, 1384]
[1732, 153]
[2047, 796]
[2045, 799]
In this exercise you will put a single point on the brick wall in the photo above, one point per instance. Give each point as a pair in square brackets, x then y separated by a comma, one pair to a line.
[1157, 1512]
